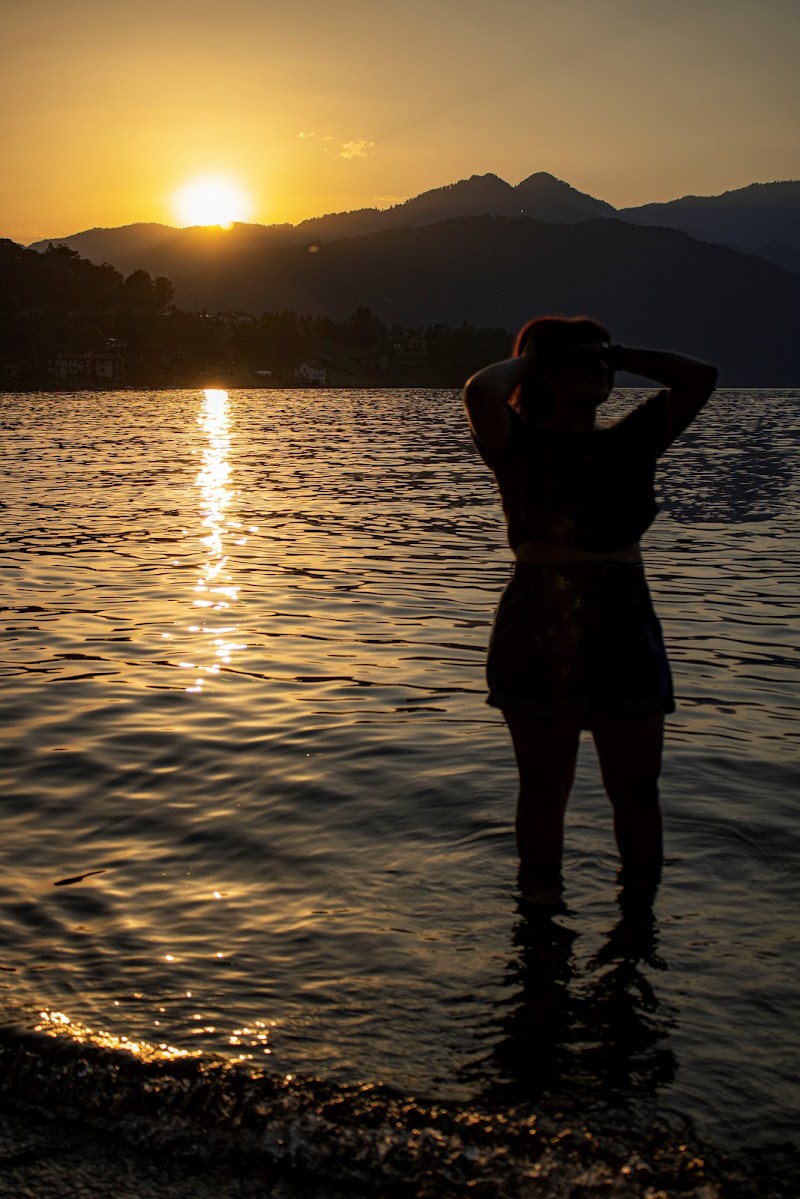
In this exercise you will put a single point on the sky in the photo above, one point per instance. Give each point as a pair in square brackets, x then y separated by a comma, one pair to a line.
[110, 107]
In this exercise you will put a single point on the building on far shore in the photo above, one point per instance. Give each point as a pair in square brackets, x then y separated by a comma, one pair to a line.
[311, 374]
[86, 364]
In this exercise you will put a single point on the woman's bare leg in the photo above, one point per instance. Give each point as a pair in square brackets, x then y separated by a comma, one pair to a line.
[629, 750]
[546, 752]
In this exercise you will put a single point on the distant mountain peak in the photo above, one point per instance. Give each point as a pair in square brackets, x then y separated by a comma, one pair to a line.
[542, 177]
[466, 187]
[541, 190]
[753, 217]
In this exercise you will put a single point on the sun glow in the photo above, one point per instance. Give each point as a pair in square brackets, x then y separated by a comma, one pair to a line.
[211, 200]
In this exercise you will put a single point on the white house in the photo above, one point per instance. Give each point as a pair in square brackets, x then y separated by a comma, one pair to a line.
[311, 374]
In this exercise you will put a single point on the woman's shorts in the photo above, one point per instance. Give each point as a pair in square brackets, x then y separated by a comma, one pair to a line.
[578, 640]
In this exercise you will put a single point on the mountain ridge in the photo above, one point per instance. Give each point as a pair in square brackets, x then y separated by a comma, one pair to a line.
[771, 224]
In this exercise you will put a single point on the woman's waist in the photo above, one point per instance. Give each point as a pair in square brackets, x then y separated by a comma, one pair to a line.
[546, 553]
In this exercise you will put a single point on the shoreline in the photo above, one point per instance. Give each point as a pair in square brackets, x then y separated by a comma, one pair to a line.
[323, 388]
[55, 1155]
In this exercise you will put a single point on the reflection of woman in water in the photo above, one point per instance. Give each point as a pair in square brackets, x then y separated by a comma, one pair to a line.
[576, 643]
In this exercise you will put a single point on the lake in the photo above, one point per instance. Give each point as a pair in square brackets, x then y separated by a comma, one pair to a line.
[258, 820]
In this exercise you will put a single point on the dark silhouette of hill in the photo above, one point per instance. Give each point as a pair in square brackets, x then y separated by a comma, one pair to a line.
[113, 245]
[476, 196]
[60, 280]
[652, 285]
[549, 199]
[162, 249]
[170, 251]
[783, 254]
[764, 218]
[540, 195]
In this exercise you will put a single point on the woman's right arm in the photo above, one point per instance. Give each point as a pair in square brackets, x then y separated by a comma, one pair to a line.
[486, 397]
[689, 382]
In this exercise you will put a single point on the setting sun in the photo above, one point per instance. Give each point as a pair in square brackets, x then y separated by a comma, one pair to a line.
[211, 200]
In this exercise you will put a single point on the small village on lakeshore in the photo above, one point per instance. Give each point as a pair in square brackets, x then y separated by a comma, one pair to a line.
[71, 325]
[403, 358]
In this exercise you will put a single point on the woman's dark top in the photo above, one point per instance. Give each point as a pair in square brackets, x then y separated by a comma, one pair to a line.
[589, 491]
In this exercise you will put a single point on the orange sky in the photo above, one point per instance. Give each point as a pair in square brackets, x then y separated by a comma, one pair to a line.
[110, 108]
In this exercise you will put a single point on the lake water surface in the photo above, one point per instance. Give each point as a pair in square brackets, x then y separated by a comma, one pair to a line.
[256, 811]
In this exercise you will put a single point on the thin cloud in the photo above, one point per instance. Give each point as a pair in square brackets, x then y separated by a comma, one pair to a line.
[356, 149]
[312, 134]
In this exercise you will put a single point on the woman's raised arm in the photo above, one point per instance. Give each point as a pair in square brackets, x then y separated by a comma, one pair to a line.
[486, 397]
[690, 382]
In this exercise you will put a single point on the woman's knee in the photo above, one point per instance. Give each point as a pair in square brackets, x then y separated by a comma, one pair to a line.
[634, 795]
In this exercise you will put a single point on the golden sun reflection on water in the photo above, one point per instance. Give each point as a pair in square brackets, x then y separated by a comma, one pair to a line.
[215, 591]
[248, 1038]
[57, 1024]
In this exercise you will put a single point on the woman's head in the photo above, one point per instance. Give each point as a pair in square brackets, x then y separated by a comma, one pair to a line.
[571, 359]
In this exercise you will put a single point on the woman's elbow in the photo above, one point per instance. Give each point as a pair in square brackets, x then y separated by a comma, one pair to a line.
[713, 375]
[474, 385]
[707, 376]
[475, 390]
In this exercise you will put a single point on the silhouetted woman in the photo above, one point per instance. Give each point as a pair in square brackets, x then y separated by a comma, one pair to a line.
[575, 642]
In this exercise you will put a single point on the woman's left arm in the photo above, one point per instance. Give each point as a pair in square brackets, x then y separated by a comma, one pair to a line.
[689, 381]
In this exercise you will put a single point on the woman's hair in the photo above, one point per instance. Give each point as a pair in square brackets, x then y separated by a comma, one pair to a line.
[552, 338]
